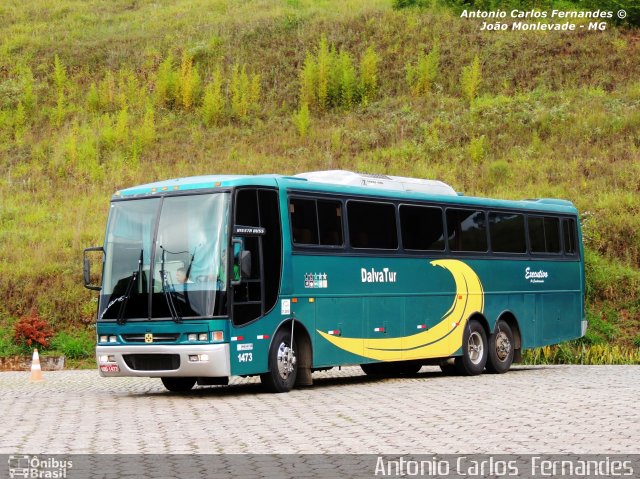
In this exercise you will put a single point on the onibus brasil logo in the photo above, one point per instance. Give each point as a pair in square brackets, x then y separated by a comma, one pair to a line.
[37, 467]
[441, 340]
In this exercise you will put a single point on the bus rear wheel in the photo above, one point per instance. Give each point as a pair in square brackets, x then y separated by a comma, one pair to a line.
[283, 363]
[500, 349]
[178, 385]
[474, 350]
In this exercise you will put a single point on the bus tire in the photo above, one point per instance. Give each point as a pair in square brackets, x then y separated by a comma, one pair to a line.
[283, 364]
[501, 349]
[474, 350]
[178, 385]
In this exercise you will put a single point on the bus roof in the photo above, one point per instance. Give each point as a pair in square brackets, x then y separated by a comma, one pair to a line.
[373, 186]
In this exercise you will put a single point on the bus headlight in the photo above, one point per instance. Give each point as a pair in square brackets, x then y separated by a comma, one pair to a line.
[113, 339]
[197, 336]
[104, 339]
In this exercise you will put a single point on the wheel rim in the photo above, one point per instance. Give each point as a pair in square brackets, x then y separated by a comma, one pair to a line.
[475, 347]
[503, 346]
[286, 360]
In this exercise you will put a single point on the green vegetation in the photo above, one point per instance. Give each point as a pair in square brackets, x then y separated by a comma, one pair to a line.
[581, 354]
[96, 96]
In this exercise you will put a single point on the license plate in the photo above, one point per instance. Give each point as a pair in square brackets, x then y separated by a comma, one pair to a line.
[109, 368]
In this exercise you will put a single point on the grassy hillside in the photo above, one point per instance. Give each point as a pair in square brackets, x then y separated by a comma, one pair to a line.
[100, 95]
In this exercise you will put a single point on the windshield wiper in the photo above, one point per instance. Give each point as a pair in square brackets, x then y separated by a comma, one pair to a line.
[168, 293]
[124, 299]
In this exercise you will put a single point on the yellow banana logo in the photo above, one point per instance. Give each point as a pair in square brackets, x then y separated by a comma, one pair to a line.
[442, 340]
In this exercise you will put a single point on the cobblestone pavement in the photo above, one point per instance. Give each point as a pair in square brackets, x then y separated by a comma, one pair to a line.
[557, 409]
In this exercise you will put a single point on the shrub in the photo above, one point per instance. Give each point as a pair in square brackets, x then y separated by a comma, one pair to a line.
[165, 83]
[369, 75]
[422, 74]
[470, 79]
[147, 132]
[244, 90]
[28, 95]
[122, 126]
[19, 123]
[107, 92]
[477, 149]
[77, 345]
[93, 98]
[59, 74]
[189, 82]
[329, 79]
[346, 80]
[32, 329]
[302, 120]
[214, 102]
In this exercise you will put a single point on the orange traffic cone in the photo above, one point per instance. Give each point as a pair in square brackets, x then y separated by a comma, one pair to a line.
[36, 372]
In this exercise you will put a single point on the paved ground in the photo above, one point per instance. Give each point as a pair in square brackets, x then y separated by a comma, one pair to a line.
[577, 409]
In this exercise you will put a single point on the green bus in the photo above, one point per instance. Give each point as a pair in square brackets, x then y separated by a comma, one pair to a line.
[209, 277]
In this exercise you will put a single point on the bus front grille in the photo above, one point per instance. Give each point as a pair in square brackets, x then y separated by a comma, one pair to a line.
[157, 338]
[152, 362]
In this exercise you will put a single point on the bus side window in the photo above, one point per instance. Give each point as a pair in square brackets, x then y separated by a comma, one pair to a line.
[544, 234]
[507, 233]
[330, 222]
[569, 232]
[421, 228]
[304, 221]
[467, 230]
[372, 225]
[316, 222]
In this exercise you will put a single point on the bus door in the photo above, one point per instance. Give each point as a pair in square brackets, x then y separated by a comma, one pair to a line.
[254, 274]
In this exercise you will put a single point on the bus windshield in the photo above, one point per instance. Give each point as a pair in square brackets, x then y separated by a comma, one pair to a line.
[183, 274]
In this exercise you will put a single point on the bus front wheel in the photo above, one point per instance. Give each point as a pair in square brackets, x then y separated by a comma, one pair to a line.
[474, 350]
[178, 385]
[283, 363]
[500, 349]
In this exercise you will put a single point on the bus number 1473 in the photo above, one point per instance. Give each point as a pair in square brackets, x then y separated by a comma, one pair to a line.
[245, 357]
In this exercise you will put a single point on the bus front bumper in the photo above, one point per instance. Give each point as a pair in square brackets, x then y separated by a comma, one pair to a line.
[203, 360]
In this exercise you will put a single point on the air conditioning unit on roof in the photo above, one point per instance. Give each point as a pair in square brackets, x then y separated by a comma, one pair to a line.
[398, 183]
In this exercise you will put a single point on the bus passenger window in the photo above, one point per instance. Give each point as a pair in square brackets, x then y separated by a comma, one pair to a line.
[372, 225]
[316, 222]
[304, 221]
[467, 230]
[421, 228]
[507, 233]
[330, 222]
[544, 234]
[569, 232]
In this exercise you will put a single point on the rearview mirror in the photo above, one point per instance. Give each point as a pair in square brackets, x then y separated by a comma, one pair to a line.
[88, 255]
